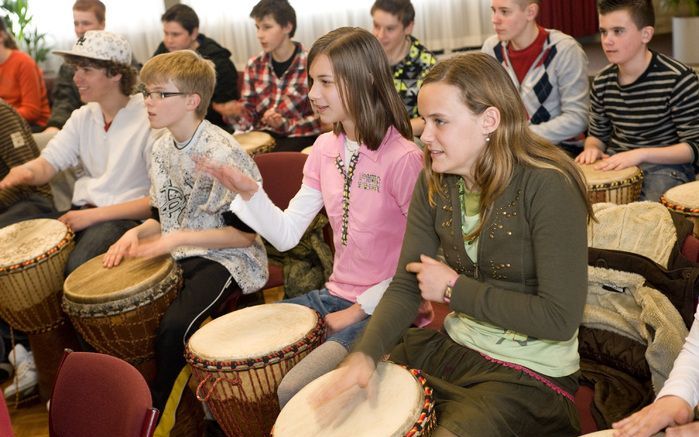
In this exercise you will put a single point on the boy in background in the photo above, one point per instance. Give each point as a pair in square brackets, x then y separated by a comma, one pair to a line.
[644, 109]
[181, 32]
[393, 22]
[275, 83]
[548, 67]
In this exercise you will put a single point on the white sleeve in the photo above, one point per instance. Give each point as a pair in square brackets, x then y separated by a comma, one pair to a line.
[282, 229]
[372, 295]
[63, 150]
[684, 377]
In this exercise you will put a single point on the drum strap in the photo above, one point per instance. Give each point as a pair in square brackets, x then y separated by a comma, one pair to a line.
[167, 418]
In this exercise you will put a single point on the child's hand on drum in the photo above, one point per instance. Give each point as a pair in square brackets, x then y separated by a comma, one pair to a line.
[432, 277]
[121, 248]
[666, 411]
[79, 219]
[229, 176]
[355, 371]
[622, 160]
[339, 320]
[590, 155]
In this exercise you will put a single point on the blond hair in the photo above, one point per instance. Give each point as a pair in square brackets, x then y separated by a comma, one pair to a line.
[187, 70]
[483, 83]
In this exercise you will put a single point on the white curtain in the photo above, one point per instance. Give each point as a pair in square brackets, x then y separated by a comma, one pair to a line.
[439, 24]
[137, 20]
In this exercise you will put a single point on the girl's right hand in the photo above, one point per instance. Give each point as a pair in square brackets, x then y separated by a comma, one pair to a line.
[230, 177]
[117, 251]
[355, 370]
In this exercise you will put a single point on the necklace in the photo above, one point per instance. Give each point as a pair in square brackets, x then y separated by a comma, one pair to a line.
[348, 175]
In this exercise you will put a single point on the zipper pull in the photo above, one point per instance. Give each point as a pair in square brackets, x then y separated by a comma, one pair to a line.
[476, 271]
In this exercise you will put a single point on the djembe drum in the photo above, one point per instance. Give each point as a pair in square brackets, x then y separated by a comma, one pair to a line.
[401, 404]
[614, 186]
[684, 200]
[118, 310]
[33, 255]
[256, 142]
[238, 361]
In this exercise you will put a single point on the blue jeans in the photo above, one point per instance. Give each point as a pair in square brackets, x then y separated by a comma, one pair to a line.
[29, 207]
[658, 178]
[325, 303]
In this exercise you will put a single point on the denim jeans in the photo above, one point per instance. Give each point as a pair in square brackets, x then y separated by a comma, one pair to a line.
[32, 206]
[325, 303]
[658, 178]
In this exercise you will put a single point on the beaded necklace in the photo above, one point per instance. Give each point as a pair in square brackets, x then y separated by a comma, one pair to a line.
[347, 175]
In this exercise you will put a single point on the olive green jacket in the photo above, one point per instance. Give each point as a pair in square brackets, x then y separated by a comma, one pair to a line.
[531, 274]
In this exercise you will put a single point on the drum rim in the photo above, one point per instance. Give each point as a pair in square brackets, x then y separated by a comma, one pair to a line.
[426, 417]
[315, 336]
[65, 243]
[164, 271]
[636, 179]
[637, 173]
[685, 210]
[170, 283]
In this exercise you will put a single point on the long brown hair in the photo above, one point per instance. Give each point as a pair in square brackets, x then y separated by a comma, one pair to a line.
[365, 83]
[483, 83]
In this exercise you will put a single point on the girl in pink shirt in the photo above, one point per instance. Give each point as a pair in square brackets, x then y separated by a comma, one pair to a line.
[363, 173]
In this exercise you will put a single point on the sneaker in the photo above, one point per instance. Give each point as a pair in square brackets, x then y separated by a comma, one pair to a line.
[26, 378]
[18, 354]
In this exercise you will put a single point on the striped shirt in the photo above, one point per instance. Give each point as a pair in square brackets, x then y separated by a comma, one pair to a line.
[288, 95]
[17, 146]
[660, 108]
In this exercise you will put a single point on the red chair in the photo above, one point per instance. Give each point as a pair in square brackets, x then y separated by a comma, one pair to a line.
[5, 424]
[282, 173]
[97, 394]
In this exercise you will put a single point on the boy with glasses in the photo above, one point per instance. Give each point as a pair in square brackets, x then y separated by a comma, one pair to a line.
[217, 252]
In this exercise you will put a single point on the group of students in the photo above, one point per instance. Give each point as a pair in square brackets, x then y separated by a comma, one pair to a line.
[494, 193]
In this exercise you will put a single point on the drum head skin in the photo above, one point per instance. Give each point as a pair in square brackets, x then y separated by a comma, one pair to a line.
[685, 196]
[599, 177]
[27, 240]
[252, 332]
[93, 283]
[389, 407]
[253, 140]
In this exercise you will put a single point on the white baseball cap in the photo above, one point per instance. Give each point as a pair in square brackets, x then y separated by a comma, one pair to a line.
[101, 45]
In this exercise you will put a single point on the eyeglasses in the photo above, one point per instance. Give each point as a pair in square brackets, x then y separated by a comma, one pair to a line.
[160, 95]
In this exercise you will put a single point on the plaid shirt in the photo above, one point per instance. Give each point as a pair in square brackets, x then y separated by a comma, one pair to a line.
[263, 90]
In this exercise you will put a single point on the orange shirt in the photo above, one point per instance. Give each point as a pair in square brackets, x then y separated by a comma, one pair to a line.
[22, 86]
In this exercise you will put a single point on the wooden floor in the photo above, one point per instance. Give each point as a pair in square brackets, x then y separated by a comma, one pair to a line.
[31, 420]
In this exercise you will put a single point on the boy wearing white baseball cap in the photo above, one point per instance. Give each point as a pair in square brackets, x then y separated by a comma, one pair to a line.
[111, 140]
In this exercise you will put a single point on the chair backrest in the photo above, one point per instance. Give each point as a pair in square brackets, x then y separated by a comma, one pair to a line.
[97, 394]
[282, 173]
[5, 424]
